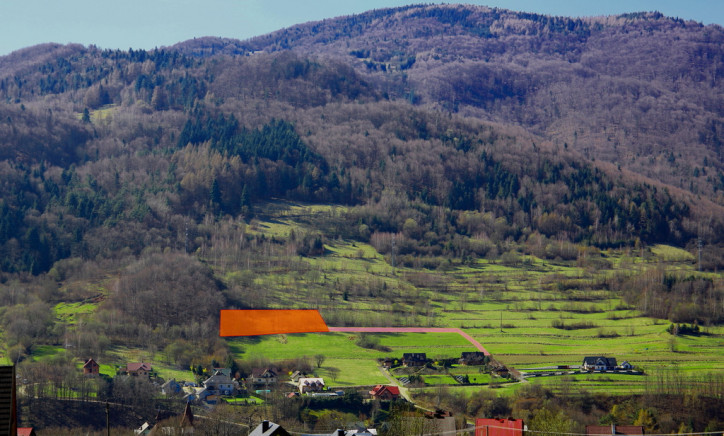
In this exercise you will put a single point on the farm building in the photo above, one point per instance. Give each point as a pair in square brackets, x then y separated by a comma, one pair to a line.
[499, 427]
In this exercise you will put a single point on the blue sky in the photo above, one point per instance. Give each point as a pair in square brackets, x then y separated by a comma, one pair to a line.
[156, 23]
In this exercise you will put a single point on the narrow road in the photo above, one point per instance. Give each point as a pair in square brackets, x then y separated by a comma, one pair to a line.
[469, 338]
[403, 390]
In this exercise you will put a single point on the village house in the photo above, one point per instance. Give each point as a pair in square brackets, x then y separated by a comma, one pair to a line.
[296, 375]
[225, 371]
[598, 363]
[138, 369]
[312, 384]
[171, 387]
[267, 428]
[91, 368]
[355, 432]
[625, 365]
[499, 427]
[414, 359]
[472, 358]
[385, 392]
[220, 384]
[263, 377]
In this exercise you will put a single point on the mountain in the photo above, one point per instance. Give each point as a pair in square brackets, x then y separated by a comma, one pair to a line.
[640, 90]
[460, 122]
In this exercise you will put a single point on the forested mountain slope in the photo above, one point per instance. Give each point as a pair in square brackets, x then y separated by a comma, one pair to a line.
[387, 106]
[426, 165]
[639, 90]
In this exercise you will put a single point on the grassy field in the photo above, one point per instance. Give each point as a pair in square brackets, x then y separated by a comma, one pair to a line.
[533, 313]
[69, 312]
[528, 313]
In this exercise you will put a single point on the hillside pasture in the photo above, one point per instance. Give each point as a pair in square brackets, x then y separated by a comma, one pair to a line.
[525, 310]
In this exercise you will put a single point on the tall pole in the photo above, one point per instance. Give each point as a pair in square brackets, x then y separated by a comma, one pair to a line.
[108, 419]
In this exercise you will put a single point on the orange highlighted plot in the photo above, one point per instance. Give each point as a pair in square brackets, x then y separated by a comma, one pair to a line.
[270, 322]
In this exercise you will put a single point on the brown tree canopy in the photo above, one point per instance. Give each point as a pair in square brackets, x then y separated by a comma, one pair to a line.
[170, 288]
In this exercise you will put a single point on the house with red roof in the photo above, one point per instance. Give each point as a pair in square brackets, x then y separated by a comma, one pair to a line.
[498, 427]
[26, 431]
[385, 392]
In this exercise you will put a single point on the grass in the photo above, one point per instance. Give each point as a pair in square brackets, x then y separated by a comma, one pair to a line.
[244, 400]
[530, 297]
[69, 312]
[46, 352]
[510, 309]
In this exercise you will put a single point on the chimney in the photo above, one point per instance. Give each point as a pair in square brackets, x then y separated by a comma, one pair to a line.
[265, 425]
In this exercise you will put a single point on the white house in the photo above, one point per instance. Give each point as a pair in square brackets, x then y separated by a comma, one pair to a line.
[310, 384]
[220, 384]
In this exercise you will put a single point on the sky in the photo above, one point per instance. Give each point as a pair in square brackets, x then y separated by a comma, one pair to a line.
[147, 24]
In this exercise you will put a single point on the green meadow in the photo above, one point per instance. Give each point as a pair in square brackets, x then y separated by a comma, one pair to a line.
[529, 313]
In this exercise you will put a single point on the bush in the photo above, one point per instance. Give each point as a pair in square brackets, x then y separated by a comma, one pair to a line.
[557, 324]
[370, 342]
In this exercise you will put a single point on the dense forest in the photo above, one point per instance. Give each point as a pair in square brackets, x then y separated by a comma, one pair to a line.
[448, 133]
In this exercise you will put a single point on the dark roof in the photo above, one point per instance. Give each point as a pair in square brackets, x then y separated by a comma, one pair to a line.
[268, 428]
[596, 360]
[614, 429]
[90, 363]
[188, 416]
[477, 355]
[414, 356]
[438, 414]
[263, 372]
